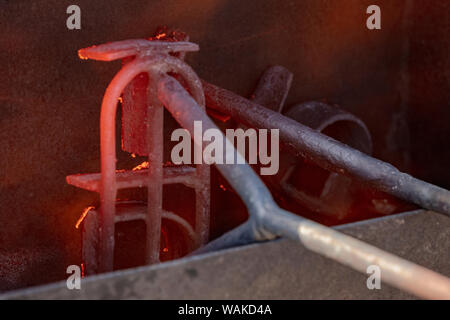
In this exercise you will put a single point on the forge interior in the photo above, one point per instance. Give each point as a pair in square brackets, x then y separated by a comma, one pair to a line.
[396, 80]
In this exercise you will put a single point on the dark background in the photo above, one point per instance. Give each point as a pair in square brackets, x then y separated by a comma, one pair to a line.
[396, 79]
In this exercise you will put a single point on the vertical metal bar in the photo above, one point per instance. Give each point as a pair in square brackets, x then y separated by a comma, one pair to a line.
[202, 203]
[155, 150]
[90, 243]
[108, 188]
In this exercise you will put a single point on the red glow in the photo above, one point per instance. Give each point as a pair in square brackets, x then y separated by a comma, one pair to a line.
[143, 165]
[160, 36]
[166, 240]
[81, 56]
[83, 215]
[82, 270]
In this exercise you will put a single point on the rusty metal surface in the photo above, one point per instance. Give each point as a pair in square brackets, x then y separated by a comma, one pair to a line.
[361, 71]
[266, 219]
[279, 269]
[428, 103]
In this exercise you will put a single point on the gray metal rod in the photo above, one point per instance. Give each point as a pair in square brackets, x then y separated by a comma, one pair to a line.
[329, 153]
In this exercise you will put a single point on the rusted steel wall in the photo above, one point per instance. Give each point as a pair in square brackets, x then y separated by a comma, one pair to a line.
[429, 90]
[50, 100]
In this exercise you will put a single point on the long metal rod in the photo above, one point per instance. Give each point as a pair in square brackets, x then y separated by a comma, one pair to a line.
[329, 153]
[268, 220]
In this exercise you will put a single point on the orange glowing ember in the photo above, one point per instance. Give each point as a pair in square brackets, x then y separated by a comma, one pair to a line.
[83, 215]
[81, 56]
[143, 165]
[160, 36]
[223, 187]
[82, 269]
[166, 239]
